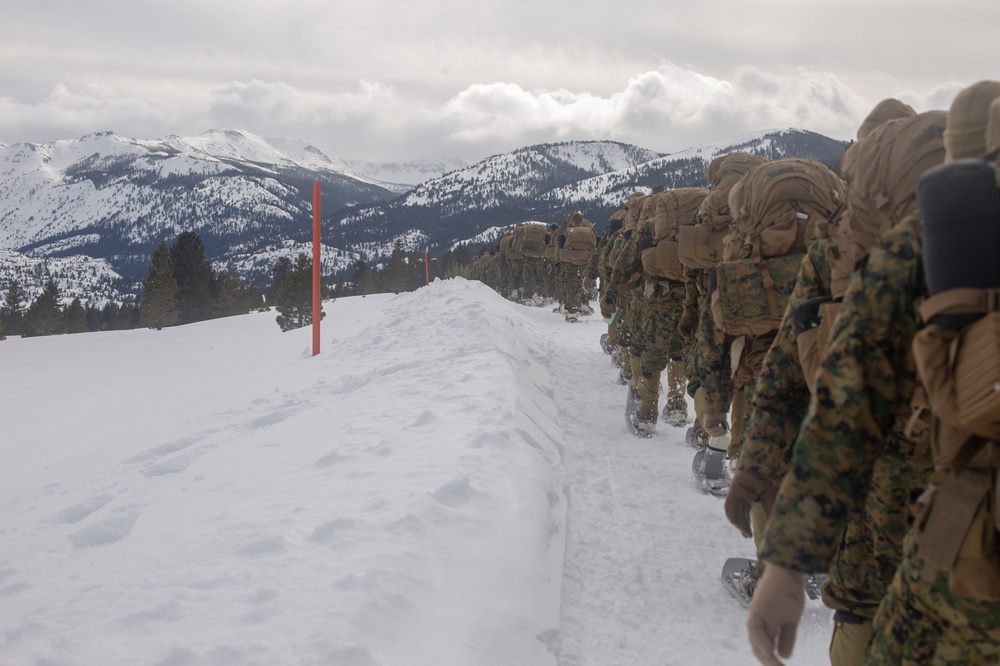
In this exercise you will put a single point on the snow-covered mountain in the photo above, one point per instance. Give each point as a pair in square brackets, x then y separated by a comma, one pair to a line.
[548, 181]
[404, 176]
[114, 198]
[101, 203]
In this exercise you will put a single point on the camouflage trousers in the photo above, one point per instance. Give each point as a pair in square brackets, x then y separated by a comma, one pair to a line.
[655, 341]
[654, 332]
[872, 543]
[921, 623]
[570, 286]
[532, 279]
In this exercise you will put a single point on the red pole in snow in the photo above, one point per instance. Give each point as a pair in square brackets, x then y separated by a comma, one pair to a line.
[317, 303]
[427, 268]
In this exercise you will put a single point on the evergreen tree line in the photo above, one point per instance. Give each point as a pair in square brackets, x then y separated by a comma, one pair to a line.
[45, 315]
[404, 271]
[182, 287]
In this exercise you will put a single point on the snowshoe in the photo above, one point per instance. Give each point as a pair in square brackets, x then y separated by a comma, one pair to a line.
[739, 578]
[644, 427]
[604, 343]
[572, 317]
[537, 301]
[675, 417]
[625, 376]
[586, 309]
[631, 407]
[813, 583]
[710, 471]
[696, 437]
[616, 357]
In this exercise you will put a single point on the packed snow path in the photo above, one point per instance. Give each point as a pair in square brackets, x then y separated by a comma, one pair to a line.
[644, 547]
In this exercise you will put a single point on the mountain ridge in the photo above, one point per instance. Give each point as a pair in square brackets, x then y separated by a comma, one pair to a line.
[105, 200]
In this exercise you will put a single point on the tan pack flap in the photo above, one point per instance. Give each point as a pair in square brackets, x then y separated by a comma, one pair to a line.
[960, 301]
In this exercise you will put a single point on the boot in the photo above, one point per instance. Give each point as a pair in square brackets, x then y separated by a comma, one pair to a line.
[675, 410]
[648, 387]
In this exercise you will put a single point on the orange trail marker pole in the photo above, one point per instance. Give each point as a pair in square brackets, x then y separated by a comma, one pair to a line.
[427, 268]
[317, 305]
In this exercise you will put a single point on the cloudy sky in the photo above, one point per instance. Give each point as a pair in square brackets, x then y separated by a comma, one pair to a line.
[406, 79]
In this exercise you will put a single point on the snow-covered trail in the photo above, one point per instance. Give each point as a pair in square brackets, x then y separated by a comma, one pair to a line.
[450, 483]
[644, 547]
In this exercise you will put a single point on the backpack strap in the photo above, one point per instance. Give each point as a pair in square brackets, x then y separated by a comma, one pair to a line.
[960, 301]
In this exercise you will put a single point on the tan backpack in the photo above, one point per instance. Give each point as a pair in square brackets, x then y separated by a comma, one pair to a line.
[957, 355]
[701, 245]
[672, 209]
[531, 241]
[579, 245]
[513, 247]
[784, 201]
[505, 243]
[881, 171]
[777, 207]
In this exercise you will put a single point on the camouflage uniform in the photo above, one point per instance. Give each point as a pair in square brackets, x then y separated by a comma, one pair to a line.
[532, 278]
[569, 279]
[621, 288]
[655, 309]
[711, 352]
[603, 258]
[781, 396]
[843, 464]
[570, 276]
[870, 547]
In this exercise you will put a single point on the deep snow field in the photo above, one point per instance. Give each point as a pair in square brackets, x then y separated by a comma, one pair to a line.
[448, 483]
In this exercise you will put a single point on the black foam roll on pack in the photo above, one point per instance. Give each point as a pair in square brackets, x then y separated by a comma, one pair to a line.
[960, 210]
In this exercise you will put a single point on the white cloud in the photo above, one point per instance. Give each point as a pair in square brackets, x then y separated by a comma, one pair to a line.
[663, 109]
[669, 108]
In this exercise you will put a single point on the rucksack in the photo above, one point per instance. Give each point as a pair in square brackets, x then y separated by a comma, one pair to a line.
[783, 202]
[881, 171]
[505, 243]
[777, 207]
[512, 249]
[531, 241]
[701, 245]
[634, 210]
[958, 360]
[577, 245]
[671, 210]
[960, 207]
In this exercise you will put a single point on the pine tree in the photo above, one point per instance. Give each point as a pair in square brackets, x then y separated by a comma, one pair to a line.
[293, 297]
[232, 296]
[278, 274]
[159, 301]
[395, 274]
[75, 318]
[363, 278]
[43, 316]
[12, 310]
[194, 276]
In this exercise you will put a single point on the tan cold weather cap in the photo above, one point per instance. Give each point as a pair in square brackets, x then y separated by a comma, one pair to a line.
[993, 132]
[619, 214]
[965, 135]
[884, 111]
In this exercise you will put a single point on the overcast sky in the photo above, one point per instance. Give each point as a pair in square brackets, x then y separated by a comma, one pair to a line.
[405, 79]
